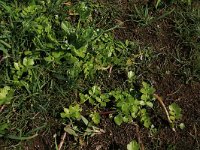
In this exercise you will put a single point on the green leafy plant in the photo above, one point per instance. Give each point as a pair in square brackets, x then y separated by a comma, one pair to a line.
[130, 107]
[175, 112]
[141, 15]
[73, 112]
[126, 105]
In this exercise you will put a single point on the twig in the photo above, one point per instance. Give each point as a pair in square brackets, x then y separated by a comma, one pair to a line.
[107, 112]
[62, 141]
[164, 107]
[2, 107]
[110, 71]
[138, 137]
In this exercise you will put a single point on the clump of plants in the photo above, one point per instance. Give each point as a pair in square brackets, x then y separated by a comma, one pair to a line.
[52, 46]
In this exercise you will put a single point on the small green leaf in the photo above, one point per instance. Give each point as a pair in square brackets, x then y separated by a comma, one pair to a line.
[65, 114]
[150, 104]
[70, 131]
[182, 126]
[133, 145]
[95, 117]
[131, 75]
[28, 62]
[83, 98]
[125, 108]
[85, 120]
[16, 65]
[6, 94]
[142, 103]
[49, 59]
[118, 119]
[66, 26]
[175, 111]
[126, 119]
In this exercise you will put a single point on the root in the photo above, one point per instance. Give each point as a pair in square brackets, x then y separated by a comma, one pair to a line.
[165, 109]
[138, 137]
[62, 141]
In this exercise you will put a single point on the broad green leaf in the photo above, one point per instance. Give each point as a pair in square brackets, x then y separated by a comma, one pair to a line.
[133, 145]
[118, 119]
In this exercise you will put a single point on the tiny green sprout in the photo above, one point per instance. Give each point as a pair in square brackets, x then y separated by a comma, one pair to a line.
[131, 76]
[133, 145]
[182, 126]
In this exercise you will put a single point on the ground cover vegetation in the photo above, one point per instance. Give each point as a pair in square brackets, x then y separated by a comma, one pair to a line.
[99, 74]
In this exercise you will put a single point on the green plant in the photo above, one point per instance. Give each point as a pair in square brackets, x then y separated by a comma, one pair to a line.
[142, 15]
[73, 112]
[126, 105]
[6, 95]
[175, 112]
[131, 107]
[133, 145]
[175, 115]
